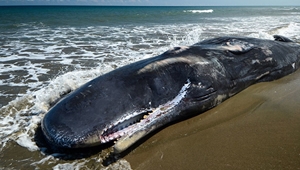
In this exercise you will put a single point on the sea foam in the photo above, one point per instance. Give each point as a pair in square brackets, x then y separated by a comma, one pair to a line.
[200, 11]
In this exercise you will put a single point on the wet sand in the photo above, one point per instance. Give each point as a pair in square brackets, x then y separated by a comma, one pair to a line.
[258, 128]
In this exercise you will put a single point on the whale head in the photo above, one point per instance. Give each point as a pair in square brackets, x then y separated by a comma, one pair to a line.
[123, 105]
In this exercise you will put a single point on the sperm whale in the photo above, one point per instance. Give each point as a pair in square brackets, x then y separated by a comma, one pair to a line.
[128, 103]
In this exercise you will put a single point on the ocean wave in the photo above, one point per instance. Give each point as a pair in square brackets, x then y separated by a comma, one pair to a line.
[291, 30]
[200, 11]
[286, 8]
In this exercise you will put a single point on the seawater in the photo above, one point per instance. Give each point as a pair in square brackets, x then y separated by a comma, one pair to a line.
[48, 51]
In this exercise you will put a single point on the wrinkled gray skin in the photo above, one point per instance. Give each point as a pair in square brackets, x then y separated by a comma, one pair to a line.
[177, 84]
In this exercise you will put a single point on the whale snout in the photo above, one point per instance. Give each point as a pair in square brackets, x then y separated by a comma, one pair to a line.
[58, 133]
[61, 130]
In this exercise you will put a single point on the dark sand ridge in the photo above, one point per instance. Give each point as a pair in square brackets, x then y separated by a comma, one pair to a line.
[258, 128]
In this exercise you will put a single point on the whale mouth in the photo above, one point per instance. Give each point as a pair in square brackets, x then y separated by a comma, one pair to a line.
[134, 126]
[126, 125]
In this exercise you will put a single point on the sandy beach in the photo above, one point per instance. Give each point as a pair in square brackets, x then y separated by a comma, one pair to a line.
[258, 128]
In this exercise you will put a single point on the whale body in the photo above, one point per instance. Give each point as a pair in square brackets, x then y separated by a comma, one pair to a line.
[128, 103]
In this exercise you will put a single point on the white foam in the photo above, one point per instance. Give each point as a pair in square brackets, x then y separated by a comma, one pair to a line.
[120, 165]
[81, 164]
[43, 161]
[26, 141]
[292, 30]
[70, 166]
[200, 11]
[62, 84]
[286, 8]
[262, 35]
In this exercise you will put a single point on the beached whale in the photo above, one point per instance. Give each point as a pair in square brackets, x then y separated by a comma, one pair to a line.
[130, 102]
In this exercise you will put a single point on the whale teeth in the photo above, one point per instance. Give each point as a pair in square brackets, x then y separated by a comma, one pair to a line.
[101, 139]
[125, 125]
